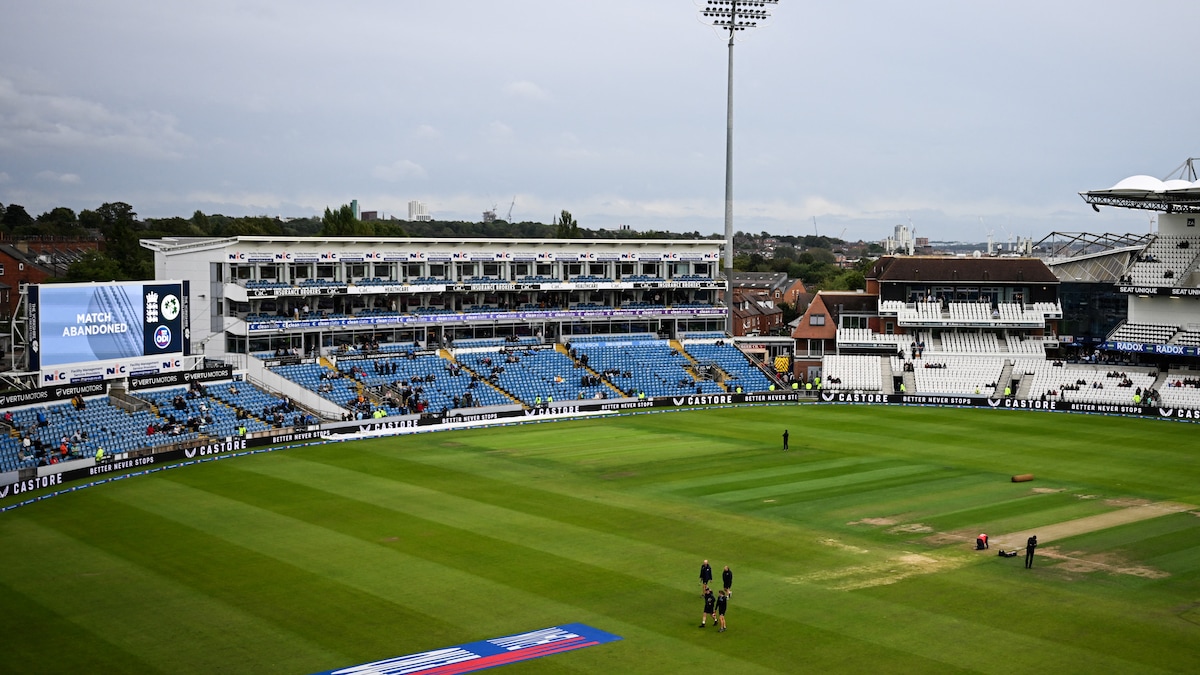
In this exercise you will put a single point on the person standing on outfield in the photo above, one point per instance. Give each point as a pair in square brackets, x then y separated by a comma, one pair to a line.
[705, 574]
[1030, 546]
[785, 437]
[709, 607]
[722, 602]
[727, 580]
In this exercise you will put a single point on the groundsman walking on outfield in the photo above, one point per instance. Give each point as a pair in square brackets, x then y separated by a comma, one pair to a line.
[709, 607]
[722, 603]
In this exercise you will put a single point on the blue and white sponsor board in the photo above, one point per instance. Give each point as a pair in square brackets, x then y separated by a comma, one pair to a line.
[1150, 348]
[476, 656]
[99, 331]
[459, 317]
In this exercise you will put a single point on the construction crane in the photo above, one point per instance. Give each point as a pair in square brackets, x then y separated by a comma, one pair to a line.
[508, 218]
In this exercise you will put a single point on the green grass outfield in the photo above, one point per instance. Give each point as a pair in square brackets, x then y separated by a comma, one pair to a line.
[851, 553]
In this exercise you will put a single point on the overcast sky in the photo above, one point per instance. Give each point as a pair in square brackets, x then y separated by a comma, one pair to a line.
[959, 116]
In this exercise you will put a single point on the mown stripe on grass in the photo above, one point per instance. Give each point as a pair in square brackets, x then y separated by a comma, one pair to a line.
[35, 635]
[555, 542]
[515, 550]
[592, 507]
[822, 488]
[922, 500]
[607, 444]
[838, 508]
[727, 480]
[1062, 630]
[308, 606]
[1034, 510]
[520, 551]
[1170, 543]
[104, 596]
[346, 547]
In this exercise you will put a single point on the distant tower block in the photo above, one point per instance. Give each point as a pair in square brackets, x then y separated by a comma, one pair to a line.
[417, 212]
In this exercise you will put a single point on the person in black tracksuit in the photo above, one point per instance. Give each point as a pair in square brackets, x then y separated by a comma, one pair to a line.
[727, 580]
[722, 603]
[709, 607]
[1030, 546]
[705, 574]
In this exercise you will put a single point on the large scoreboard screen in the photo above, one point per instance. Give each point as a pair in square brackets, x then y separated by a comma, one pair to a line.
[83, 332]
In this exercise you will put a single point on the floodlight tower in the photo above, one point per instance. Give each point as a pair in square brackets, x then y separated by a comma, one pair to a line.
[732, 16]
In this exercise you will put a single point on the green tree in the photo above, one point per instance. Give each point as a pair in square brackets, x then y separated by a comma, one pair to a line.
[779, 264]
[785, 253]
[848, 280]
[90, 220]
[342, 223]
[389, 228]
[789, 312]
[302, 227]
[95, 266]
[119, 227]
[855, 280]
[59, 220]
[174, 226]
[565, 226]
[201, 222]
[822, 255]
[15, 216]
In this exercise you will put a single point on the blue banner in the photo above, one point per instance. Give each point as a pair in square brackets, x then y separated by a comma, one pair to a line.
[476, 656]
